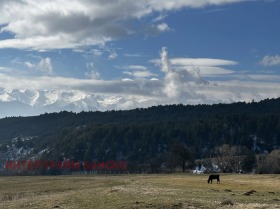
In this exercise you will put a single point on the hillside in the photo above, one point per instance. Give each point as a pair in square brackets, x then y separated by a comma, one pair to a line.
[143, 136]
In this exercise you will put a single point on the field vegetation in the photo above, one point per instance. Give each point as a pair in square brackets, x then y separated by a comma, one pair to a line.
[173, 191]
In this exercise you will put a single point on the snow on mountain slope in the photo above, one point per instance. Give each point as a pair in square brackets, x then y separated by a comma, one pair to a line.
[33, 102]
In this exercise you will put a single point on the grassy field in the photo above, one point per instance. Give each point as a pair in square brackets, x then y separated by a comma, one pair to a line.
[172, 191]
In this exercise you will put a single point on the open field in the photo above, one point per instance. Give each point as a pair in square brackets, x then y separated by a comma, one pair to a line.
[172, 191]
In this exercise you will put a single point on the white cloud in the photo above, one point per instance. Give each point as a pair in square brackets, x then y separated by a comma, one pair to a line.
[209, 71]
[201, 62]
[159, 18]
[156, 29]
[178, 85]
[178, 4]
[270, 60]
[165, 64]
[176, 79]
[134, 67]
[154, 79]
[44, 65]
[56, 24]
[127, 79]
[214, 71]
[97, 52]
[112, 55]
[29, 64]
[112, 52]
[163, 27]
[140, 74]
[133, 55]
[153, 91]
[262, 77]
[137, 71]
[203, 66]
[93, 73]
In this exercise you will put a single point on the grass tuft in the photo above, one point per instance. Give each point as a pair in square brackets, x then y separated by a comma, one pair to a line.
[227, 202]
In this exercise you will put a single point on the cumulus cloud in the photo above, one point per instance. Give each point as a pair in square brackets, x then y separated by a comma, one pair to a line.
[93, 73]
[165, 64]
[172, 85]
[156, 29]
[43, 66]
[179, 67]
[43, 25]
[176, 80]
[163, 27]
[112, 55]
[270, 60]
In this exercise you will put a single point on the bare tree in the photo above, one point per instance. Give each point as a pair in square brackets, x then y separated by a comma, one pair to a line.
[228, 158]
[269, 163]
[182, 155]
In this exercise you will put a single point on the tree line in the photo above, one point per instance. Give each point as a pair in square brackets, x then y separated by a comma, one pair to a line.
[239, 137]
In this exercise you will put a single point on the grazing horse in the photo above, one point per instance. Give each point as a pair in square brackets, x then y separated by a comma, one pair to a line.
[211, 177]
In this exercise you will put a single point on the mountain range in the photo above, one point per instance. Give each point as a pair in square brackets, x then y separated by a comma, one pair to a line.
[34, 102]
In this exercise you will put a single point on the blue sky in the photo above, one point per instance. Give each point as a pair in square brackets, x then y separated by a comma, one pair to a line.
[180, 51]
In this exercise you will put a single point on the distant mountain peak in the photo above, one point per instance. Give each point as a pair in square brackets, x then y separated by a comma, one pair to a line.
[24, 102]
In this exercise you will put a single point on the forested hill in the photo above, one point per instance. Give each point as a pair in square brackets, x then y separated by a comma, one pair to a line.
[52, 122]
[143, 134]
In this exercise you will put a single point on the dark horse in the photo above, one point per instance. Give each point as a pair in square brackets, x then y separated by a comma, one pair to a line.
[211, 177]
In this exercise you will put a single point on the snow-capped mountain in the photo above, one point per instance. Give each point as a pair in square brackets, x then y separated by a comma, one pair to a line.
[33, 102]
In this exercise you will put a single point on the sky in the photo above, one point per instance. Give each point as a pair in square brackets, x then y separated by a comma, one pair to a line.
[151, 51]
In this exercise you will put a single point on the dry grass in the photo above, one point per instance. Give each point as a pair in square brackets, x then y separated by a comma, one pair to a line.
[140, 191]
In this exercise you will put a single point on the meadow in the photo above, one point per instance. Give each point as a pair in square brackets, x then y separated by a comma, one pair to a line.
[156, 191]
